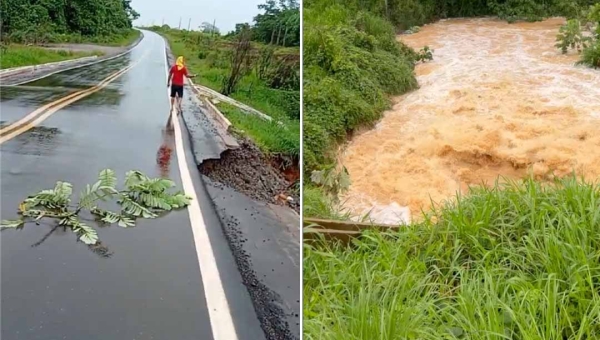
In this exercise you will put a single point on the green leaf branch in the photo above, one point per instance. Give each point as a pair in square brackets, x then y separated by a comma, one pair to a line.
[142, 197]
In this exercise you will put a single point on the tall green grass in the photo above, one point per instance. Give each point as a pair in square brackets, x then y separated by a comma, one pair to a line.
[18, 55]
[517, 261]
[316, 204]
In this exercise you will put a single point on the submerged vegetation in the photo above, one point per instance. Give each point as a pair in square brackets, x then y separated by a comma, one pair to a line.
[517, 261]
[573, 35]
[142, 197]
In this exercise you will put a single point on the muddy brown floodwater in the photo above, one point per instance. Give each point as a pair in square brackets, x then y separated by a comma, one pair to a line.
[498, 100]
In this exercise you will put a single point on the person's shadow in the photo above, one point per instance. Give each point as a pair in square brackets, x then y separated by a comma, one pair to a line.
[164, 153]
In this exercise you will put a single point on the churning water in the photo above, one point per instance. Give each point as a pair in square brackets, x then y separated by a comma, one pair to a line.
[498, 100]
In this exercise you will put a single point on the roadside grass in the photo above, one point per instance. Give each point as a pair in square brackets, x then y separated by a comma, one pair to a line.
[516, 261]
[20, 55]
[270, 137]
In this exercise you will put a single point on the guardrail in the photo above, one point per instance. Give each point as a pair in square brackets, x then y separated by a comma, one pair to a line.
[207, 92]
[339, 230]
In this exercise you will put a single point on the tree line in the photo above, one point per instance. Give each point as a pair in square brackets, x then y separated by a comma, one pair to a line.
[79, 17]
[404, 14]
[279, 24]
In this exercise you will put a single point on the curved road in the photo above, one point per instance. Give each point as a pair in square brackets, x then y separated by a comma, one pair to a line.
[168, 278]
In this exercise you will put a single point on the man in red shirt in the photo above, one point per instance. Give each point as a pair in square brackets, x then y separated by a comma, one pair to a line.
[178, 71]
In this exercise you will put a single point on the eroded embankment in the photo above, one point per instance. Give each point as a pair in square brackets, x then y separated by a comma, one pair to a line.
[498, 100]
[249, 171]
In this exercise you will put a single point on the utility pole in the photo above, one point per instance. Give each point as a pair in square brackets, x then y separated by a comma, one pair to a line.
[189, 22]
[179, 23]
[163, 21]
[214, 28]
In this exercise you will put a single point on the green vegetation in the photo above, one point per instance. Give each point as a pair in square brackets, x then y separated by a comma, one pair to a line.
[240, 65]
[321, 193]
[279, 24]
[518, 261]
[76, 21]
[317, 205]
[19, 55]
[352, 63]
[573, 35]
[591, 54]
[143, 197]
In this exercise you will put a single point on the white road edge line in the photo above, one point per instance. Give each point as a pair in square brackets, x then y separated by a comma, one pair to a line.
[221, 321]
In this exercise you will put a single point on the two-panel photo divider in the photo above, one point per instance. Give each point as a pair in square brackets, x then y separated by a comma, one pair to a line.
[286, 169]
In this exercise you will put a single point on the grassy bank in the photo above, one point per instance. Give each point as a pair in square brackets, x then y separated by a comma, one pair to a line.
[19, 55]
[514, 262]
[208, 56]
[270, 137]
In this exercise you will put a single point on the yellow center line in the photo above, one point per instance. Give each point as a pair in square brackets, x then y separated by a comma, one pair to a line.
[36, 117]
[38, 111]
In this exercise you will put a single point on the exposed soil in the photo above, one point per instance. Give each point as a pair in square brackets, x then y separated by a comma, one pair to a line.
[248, 171]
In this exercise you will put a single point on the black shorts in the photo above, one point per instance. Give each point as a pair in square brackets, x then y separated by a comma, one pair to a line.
[177, 89]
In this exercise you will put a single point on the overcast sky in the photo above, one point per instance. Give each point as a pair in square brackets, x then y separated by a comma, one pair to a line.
[227, 13]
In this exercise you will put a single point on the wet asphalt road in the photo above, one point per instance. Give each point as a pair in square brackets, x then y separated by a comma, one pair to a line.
[151, 286]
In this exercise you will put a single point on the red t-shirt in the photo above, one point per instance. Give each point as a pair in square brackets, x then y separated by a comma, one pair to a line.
[178, 75]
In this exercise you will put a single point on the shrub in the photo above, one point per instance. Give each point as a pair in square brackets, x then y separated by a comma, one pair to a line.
[217, 59]
[591, 55]
[571, 36]
[350, 68]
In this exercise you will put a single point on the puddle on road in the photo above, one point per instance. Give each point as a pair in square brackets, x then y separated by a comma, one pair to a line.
[498, 99]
